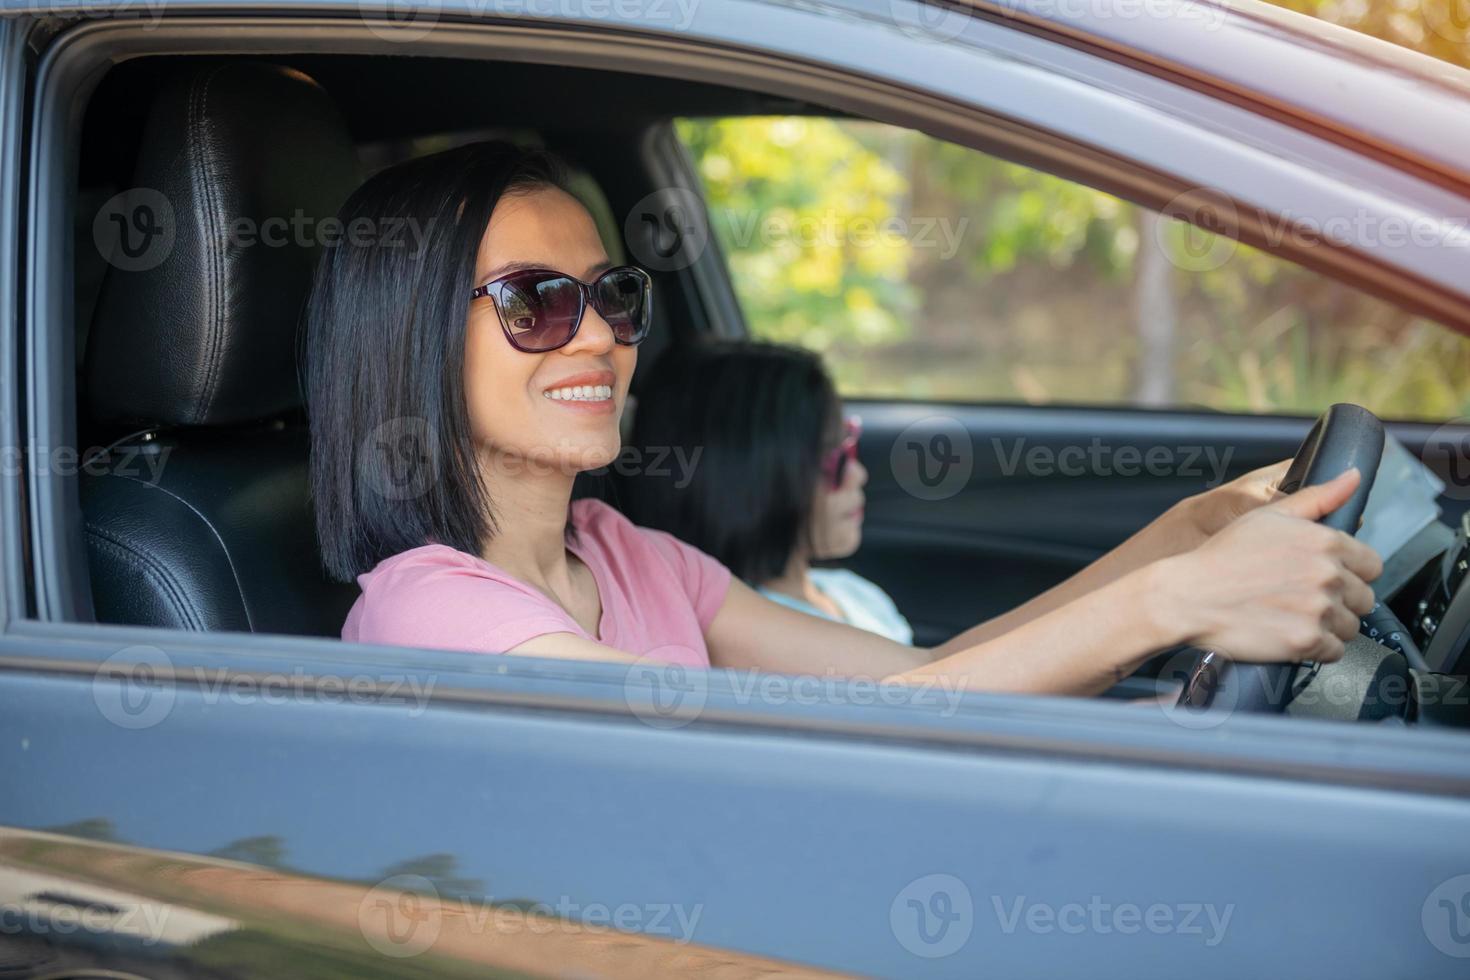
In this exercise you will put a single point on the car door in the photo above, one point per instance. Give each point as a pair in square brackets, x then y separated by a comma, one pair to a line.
[181, 803]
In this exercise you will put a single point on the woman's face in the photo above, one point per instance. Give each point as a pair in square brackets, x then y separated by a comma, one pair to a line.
[837, 513]
[511, 413]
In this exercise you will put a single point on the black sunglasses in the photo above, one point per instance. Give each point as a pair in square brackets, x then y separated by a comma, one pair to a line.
[540, 309]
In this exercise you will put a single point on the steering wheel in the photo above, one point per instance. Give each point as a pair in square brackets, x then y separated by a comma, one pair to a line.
[1344, 436]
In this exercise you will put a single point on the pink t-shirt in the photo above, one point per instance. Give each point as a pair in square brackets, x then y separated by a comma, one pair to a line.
[659, 595]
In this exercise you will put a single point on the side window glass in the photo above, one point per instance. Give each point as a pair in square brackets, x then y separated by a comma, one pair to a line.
[925, 270]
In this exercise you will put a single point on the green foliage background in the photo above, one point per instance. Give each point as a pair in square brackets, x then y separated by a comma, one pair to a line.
[927, 270]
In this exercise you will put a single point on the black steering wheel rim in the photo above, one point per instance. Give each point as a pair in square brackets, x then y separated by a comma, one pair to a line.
[1343, 437]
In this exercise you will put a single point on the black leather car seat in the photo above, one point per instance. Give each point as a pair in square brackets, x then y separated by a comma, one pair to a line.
[202, 519]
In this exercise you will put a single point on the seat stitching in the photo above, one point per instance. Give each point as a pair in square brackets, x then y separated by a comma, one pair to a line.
[169, 585]
[213, 530]
[199, 117]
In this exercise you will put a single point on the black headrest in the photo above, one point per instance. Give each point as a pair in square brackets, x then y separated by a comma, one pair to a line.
[250, 158]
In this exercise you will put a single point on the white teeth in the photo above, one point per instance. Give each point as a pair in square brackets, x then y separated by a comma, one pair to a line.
[580, 393]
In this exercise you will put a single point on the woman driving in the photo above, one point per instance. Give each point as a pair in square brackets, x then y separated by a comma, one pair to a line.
[457, 388]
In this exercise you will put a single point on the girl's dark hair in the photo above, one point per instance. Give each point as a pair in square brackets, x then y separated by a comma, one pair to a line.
[392, 462]
[758, 415]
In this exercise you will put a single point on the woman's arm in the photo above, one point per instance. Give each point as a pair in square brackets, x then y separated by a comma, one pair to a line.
[1181, 528]
[1273, 586]
[1081, 648]
[752, 632]
[570, 646]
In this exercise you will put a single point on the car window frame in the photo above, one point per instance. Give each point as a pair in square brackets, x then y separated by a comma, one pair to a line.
[59, 640]
[13, 72]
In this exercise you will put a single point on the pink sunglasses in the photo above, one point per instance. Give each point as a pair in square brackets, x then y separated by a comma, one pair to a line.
[836, 460]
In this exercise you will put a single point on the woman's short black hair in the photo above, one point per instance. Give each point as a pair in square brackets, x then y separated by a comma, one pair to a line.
[758, 417]
[392, 462]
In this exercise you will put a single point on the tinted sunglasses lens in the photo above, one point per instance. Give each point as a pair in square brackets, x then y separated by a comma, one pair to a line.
[540, 311]
[621, 298]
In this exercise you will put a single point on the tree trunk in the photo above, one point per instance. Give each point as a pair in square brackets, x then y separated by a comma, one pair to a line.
[1153, 303]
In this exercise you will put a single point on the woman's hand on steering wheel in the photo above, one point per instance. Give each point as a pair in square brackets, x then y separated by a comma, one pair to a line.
[1216, 509]
[1273, 584]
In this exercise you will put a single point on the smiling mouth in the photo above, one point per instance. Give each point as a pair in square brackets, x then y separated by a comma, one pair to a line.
[586, 389]
[580, 393]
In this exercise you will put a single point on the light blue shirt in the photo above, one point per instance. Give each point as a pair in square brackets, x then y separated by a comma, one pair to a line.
[863, 603]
